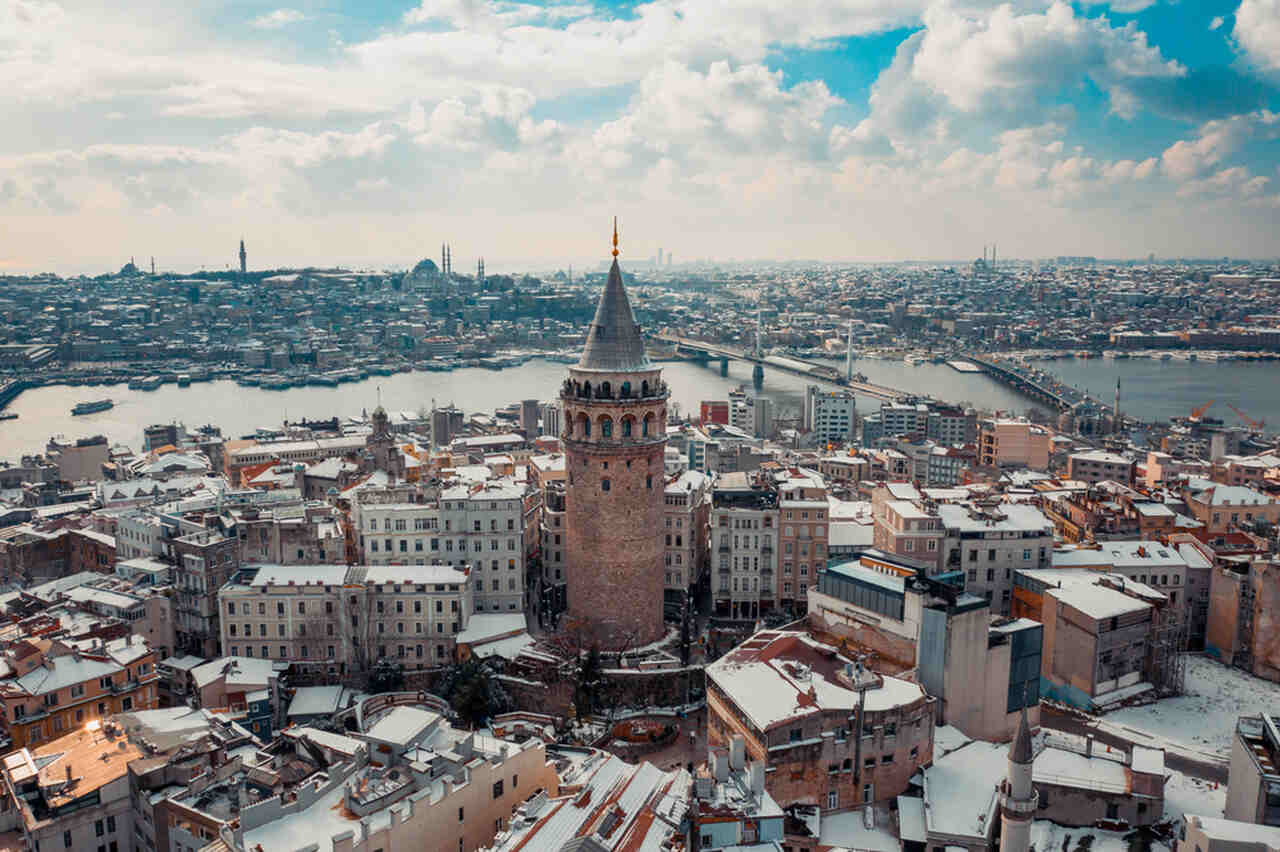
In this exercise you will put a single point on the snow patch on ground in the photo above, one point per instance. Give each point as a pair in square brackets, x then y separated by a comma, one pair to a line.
[1186, 795]
[1204, 717]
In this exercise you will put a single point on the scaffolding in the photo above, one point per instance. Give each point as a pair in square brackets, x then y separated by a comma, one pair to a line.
[1168, 672]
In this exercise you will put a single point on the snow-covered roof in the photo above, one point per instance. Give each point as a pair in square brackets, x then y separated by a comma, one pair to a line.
[1097, 602]
[299, 575]
[316, 701]
[486, 626]
[960, 790]
[239, 671]
[403, 726]
[778, 676]
[1008, 517]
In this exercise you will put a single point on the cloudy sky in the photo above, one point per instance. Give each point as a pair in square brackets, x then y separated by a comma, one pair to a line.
[365, 134]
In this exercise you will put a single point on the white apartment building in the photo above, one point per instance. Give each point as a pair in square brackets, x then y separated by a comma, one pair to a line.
[830, 415]
[139, 534]
[686, 509]
[744, 530]
[338, 618]
[989, 543]
[481, 527]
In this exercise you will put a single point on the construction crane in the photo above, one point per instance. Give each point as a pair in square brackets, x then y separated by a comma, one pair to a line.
[1255, 425]
[1197, 413]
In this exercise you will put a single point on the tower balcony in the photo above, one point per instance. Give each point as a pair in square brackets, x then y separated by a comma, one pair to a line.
[1025, 808]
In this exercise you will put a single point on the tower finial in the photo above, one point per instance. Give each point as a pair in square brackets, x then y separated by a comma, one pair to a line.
[615, 236]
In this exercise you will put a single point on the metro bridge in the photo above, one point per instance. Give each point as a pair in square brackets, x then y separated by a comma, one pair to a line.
[704, 351]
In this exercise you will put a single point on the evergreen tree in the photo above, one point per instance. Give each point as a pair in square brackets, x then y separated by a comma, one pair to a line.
[587, 692]
[386, 676]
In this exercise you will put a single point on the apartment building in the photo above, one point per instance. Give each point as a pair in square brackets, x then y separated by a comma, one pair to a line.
[204, 561]
[1223, 508]
[1099, 639]
[803, 527]
[1100, 465]
[1004, 442]
[477, 527]
[335, 619]
[73, 792]
[1253, 782]
[65, 686]
[905, 528]
[830, 415]
[990, 541]
[828, 730]
[686, 510]
[744, 529]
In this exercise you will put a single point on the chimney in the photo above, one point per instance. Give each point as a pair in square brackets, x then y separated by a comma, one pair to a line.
[68, 773]
[1088, 746]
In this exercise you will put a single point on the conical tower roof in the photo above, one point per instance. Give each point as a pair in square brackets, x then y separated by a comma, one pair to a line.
[613, 341]
[1020, 752]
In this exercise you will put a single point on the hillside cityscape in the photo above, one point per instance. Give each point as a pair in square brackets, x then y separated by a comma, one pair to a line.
[730, 562]
[640, 426]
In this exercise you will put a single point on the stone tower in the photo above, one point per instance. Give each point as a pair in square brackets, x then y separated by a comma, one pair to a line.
[614, 432]
[383, 447]
[1018, 799]
[243, 259]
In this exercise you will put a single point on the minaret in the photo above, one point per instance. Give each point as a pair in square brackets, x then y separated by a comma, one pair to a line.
[1116, 413]
[153, 264]
[243, 257]
[444, 259]
[1018, 798]
[615, 437]
[848, 354]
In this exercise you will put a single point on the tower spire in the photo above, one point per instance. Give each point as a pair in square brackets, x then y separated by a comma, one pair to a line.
[615, 236]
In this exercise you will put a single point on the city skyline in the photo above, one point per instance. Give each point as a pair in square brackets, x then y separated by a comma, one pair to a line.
[363, 136]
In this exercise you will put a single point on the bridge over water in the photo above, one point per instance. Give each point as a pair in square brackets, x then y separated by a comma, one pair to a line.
[823, 373]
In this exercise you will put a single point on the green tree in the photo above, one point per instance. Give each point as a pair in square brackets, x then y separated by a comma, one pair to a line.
[587, 690]
[473, 692]
[386, 676]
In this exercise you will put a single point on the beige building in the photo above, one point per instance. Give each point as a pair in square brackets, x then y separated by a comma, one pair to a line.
[831, 733]
[1100, 466]
[803, 525]
[409, 781]
[1253, 785]
[335, 618]
[1211, 834]
[686, 516]
[1013, 443]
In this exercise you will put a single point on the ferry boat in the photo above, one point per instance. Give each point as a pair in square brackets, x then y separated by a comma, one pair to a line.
[148, 384]
[92, 407]
[184, 380]
[914, 360]
[8, 415]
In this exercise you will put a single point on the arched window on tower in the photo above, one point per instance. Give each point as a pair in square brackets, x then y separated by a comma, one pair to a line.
[606, 427]
[647, 426]
[625, 392]
[606, 392]
[628, 423]
[584, 426]
[644, 388]
[586, 390]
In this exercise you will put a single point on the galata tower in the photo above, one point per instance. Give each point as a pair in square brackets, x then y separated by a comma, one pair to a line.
[615, 437]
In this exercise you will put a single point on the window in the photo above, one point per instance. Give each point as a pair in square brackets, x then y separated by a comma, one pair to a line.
[1113, 810]
[833, 799]
[66, 839]
[497, 789]
[111, 825]
[604, 485]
